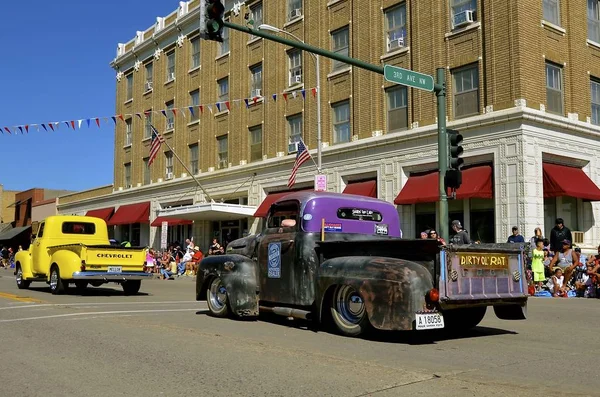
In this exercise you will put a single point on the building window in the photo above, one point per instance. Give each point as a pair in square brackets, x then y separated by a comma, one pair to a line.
[148, 70]
[550, 11]
[395, 28]
[256, 80]
[127, 172]
[341, 122]
[256, 152]
[256, 15]
[594, 20]
[466, 91]
[295, 60]
[146, 171]
[595, 101]
[339, 40]
[148, 125]
[463, 12]
[397, 108]
[223, 89]
[224, 46]
[169, 165]
[195, 60]
[129, 86]
[294, 132]
[171, 66]
[294, 9]
[194, 159]
[170, 116]
[194, 102]
[222, 152]
[128, 132]
[554, 89]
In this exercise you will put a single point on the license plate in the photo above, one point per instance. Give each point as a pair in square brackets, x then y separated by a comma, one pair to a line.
[429, 321]
[115, 269]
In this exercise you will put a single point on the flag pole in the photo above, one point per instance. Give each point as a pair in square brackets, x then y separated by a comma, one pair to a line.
[188, 170]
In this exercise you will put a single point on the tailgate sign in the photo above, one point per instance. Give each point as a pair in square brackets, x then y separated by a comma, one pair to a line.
[115, 256]
[483, 261]
[381, 229]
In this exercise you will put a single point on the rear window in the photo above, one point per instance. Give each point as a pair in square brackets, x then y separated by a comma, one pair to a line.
[78, 228]
[359, 214]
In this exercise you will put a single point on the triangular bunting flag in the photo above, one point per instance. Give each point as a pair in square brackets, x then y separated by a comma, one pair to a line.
[27, 128]
[57, 125]
[285, 96]
[174, 112]
[191, 108]
[121, 117]
[164, 112]
[314, 92]
[7, 130]
[147, 114]
[51, 126]
[37, 127]
[294, 93]
[67, 123]
[218, 106]
[79, 123]
[139, 115]
[209, 108]
[20, 129]
[303, 94]
[98, 122]
[73, 124]
[227, 104]
[201, 107]
[88, 123]
[44, 125]
[246, 102]
[114, 119]
[275, 97]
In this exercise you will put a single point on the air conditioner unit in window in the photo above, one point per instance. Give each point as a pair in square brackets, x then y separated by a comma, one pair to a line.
[296, 13]
[298, 78]
[169, 175]
[293, 147]
[148, 85]
[396, 43]
[464, 18]
[172, 76]
[577, 237]
[170, 126]
[255, 92]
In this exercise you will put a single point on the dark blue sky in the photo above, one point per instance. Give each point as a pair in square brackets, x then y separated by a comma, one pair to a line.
[54, 66]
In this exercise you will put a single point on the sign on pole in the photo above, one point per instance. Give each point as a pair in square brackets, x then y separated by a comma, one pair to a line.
[397, 75]
[320, 183]
[164, 229]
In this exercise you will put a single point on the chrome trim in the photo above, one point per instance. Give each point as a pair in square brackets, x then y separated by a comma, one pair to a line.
[105, 276]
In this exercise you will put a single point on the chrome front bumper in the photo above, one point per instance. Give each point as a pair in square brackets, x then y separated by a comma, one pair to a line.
[105, 276]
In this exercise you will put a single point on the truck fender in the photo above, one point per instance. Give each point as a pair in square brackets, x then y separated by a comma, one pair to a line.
[393, 290]
[68, 262]
[238, 274]
[23, 259]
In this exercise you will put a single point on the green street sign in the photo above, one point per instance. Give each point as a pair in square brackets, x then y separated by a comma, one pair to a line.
[397, 75]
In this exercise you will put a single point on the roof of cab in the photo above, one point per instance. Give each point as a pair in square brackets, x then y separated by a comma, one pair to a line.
[72, 218]
[305, 195]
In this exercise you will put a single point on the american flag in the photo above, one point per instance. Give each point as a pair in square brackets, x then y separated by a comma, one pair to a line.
[157, 141]
[301, 157]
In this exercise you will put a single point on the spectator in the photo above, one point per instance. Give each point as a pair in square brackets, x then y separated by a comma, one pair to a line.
[557, 284]
[5, 256]
[515, 237]
[537, 235]
[461, 236]
[192, 266]
[537, 264]
[433, 234]
[558, 234]
[182, 265]
[215, 248]
[566, 259]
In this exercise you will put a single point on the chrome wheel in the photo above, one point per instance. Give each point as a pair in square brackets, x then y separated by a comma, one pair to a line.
[57, 285]
[21, 284]
[349, 305]
[216, 297]
[53, 280]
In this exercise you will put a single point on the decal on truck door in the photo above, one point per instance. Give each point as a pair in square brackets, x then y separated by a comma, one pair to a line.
[274, 270]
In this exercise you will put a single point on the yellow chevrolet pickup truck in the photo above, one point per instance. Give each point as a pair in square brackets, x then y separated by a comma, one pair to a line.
[76, 249]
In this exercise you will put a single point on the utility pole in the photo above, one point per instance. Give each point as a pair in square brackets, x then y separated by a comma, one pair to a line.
[442, 151]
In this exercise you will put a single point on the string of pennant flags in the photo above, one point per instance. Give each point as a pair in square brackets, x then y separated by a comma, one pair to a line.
[219, 106]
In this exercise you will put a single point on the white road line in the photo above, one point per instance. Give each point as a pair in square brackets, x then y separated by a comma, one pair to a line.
[95, 313]
[96, 304]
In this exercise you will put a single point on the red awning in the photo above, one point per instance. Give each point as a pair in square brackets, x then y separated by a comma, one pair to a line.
[131, 213]
[365, 188]
[102, 213]
[476, 183]
[560, 180]
[172, 221]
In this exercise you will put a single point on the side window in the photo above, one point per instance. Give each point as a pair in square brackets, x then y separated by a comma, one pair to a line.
[40, 232]
[281, 213]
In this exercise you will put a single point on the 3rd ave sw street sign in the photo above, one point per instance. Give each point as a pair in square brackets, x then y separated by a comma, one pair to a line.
[397, 75]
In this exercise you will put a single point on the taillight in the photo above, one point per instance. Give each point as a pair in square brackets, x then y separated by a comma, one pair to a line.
[434, 295]
[82, 266]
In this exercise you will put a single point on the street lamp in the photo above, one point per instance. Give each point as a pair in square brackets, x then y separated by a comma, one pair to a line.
[316, 58]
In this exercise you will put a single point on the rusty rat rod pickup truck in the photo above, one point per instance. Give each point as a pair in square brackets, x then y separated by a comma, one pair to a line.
[339, 259]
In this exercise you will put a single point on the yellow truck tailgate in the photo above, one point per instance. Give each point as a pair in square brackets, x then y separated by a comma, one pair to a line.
[104, 257]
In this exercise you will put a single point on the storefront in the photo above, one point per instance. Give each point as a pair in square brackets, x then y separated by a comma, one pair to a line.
[132, 223]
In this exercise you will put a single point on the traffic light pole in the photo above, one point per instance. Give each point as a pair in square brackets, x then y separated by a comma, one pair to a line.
[439, 88]
[440, 93]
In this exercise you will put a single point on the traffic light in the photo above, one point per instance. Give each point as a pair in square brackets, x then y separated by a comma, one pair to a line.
[213, 18]
[454, 174]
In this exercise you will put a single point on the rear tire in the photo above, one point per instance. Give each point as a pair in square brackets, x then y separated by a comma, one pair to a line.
[21, 283]
[216, 298]
[132, 287]
[348, 311]
[464, 319]
[57, 285]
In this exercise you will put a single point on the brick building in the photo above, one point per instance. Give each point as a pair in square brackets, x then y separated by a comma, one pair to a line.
[523, 88]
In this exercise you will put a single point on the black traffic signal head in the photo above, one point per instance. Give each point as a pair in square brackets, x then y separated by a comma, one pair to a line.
[214, 20]
[456, 150]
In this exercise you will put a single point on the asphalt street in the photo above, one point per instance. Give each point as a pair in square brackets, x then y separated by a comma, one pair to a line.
[162, 343]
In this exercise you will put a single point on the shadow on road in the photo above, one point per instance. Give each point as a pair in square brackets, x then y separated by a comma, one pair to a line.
[90, 291]
[399, 337]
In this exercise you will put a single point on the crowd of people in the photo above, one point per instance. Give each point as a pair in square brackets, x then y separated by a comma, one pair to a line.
[7, 256]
